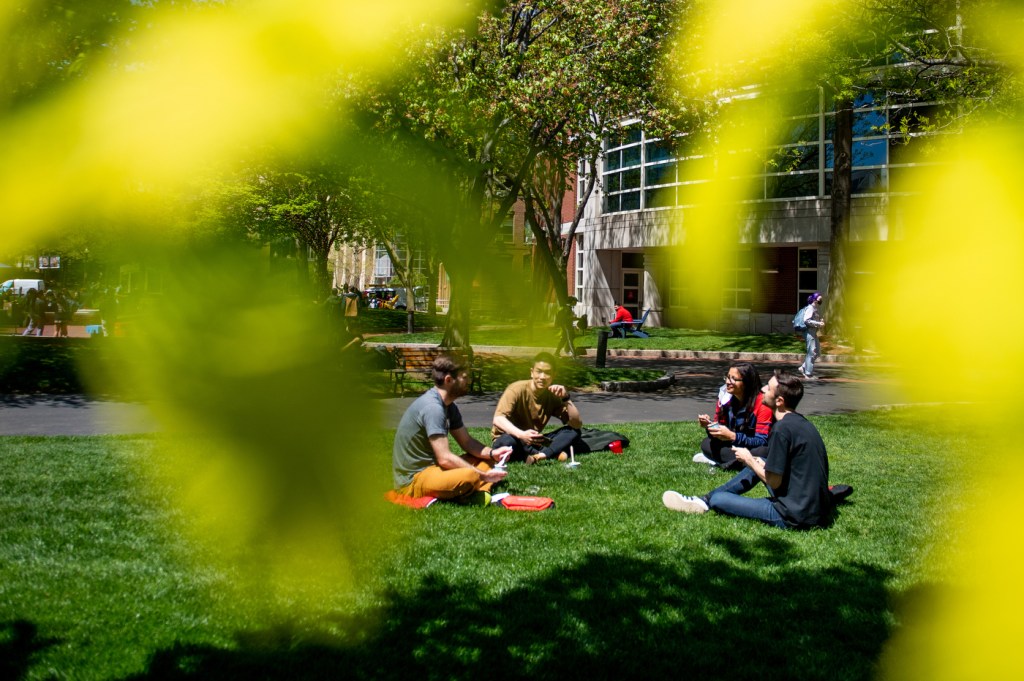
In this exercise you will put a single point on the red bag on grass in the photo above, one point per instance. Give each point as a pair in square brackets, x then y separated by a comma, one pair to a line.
[518, 503]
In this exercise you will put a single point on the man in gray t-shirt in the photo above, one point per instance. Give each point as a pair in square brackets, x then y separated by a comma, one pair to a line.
[422, 461]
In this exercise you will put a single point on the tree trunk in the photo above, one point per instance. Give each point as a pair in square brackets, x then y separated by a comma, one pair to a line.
[433, 272]
[321, 275]
[835, 301]
[302, 269]
[456, 326]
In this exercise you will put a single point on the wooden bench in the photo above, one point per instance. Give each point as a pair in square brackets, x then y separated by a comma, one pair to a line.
[414, 365]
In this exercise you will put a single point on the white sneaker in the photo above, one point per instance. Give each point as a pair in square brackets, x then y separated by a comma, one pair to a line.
[700, 458]
[677, 502]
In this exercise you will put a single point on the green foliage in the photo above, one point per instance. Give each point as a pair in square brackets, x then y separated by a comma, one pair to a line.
[506, 109]
[98, 583]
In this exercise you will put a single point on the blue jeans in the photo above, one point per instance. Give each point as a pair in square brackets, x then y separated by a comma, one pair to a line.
[727, 499]
[618, 327]
[813, 350]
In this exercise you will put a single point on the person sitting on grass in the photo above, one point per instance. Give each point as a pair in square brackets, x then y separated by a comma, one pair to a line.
[741, 419]
[795, 471]
[422, 461]
[525, 409]
[620, 321]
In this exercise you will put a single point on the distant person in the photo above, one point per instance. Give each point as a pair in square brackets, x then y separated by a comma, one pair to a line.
[620, 321]
[35, 314]
[795, 470]
[422, 461]
[352, 302]
[525, 409]
[741, 419]
[564, 321]
[812, 324]
[61, 305]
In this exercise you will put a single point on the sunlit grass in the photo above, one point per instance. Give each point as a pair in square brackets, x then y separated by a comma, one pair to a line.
[98, 580]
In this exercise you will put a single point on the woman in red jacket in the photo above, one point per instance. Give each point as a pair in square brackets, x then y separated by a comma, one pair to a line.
[741, 419]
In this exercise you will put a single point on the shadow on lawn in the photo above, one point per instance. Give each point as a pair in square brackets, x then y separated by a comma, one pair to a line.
[613, 617]
[19, 641]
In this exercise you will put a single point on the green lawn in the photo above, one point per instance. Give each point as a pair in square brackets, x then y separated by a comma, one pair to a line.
[96, 583]
[661, 339]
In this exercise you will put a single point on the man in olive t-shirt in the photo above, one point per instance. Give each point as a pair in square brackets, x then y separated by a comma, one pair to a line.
[525, 409]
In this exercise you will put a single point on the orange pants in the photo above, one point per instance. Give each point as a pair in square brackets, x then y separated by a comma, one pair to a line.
[435, 481]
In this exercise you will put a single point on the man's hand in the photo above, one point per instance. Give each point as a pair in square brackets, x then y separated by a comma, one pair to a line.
[493, 475]
[534, 437]
[496, 454]
[743, 454]
[558, 391]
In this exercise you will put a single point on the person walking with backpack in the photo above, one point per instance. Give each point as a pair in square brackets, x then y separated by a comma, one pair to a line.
[809, 322]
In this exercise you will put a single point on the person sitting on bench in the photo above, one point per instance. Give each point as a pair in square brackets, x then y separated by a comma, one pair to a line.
[620, 322]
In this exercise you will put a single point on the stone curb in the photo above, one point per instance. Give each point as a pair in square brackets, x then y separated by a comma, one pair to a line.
[657, 384]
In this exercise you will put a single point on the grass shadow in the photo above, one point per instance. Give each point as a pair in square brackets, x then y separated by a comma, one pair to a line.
[613, 616]
[19, 641]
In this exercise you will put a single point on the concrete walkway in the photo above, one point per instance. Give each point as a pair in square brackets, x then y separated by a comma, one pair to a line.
[842, 388]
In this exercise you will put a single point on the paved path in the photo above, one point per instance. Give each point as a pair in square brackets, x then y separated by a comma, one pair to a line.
[842, 388]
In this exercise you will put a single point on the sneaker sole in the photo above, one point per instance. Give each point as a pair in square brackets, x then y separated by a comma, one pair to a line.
[676, 502]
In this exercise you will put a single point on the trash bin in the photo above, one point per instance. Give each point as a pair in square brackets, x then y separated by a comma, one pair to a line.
[602, 347]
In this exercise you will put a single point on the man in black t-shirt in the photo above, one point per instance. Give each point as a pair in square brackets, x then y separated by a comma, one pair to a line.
[795, 470]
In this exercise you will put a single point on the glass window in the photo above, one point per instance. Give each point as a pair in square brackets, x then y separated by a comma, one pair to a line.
[664, 197]
[631, 201]
[799, 130]
[613, 160]
[868, 123]
[689, 194]
[579, 267]
[631, 156]
[631, 179]
[791, 186]
[867, 181]
[865, 153]
[787, 159]
[661, 174]
[677, 288]
[807, 275]
[700, 168]
[658, 151]
[808, 258]
[870, 152]
[736, 293]
[861, 181]
[613, 182]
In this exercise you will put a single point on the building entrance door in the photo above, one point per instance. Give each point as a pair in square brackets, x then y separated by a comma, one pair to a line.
[633, 291]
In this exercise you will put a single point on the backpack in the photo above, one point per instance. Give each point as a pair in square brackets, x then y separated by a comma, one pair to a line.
[595, 440]
[798, 320]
